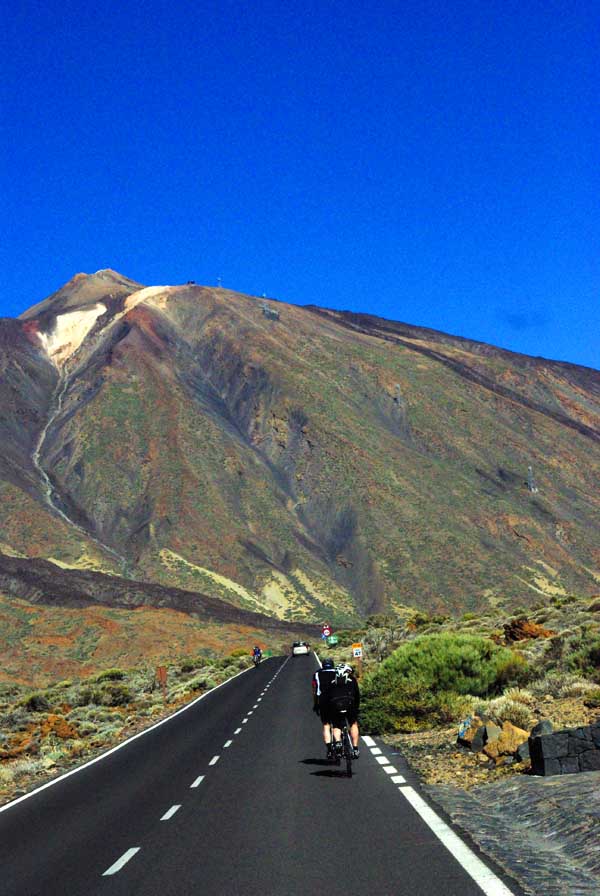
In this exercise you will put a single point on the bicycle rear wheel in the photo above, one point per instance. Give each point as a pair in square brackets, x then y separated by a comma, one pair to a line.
[348, 752]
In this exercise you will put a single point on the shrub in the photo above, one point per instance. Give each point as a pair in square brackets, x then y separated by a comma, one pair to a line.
[188, 666]
[519, 695]
[239, 651]
[503, 709]
[576, 687]
[592, 700]
[110, 675]
[35, 703]
[587, 658]
[418, 684]
[115, 695]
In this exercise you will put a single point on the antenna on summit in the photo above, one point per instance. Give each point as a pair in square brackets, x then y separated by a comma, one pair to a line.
[219, 282]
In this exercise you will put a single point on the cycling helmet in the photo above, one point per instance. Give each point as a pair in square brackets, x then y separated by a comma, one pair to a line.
[327, 664]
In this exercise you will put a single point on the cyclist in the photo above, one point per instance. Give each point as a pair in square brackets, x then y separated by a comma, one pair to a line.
[256, 655]
[343, 699]
[320, 683]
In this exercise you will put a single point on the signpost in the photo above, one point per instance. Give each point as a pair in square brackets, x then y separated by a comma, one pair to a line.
[161, 677]
[326, 630]
[357, 653]
[332, 640]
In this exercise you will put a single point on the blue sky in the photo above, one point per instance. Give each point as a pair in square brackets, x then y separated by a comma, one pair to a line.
[435, 163]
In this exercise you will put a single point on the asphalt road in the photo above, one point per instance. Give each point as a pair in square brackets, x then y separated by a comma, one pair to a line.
[269, 814]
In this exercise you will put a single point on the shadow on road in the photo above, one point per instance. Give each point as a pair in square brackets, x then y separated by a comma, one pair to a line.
[331, 771]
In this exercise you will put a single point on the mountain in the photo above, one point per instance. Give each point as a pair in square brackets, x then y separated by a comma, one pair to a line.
[293, 461]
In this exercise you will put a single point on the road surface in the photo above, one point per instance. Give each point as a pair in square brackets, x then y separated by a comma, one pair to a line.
[233, 796]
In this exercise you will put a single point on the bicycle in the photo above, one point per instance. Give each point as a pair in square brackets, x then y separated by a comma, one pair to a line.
[347, 751]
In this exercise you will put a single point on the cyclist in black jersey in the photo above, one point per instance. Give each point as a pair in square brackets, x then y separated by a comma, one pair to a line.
[321, 681]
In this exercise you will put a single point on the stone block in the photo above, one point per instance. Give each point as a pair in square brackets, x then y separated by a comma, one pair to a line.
[523, 752]
[569, 766]
[579, 744]
[550, 767]
[590, 761]
[554, 746]
[595, 732]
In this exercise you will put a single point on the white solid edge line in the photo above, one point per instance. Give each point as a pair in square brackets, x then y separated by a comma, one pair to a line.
[227, 743]
[475, 868]
[198, 781]
[214, 760]
[368, 740]
[122, 861]
[171, 812]
[124, 743]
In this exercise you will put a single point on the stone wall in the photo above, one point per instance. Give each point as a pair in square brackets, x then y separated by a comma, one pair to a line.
[566, 752]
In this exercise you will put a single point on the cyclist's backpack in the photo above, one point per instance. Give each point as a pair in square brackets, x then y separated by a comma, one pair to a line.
[340, 695]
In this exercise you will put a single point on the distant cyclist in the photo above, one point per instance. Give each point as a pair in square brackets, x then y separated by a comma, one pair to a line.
[256, 655]
[320, 684]
[342, 700]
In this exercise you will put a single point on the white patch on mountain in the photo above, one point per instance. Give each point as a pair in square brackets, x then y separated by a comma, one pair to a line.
[68, 332]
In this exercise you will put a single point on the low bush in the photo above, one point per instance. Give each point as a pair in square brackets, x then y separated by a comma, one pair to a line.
[239, 651]
[420, 683]
[35, 703]
[110, 675]
[592, 699]
[504, 709]
[586, 659]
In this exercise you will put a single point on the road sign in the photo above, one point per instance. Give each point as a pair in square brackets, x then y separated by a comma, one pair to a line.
[326, 632]
[357, 651]
[332, 640]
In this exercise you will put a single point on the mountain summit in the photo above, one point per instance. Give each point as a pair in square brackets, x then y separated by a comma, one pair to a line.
[296, 461]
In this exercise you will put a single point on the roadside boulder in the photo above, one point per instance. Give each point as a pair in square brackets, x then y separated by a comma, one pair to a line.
[507, 744]
[545, 726]
[470, 733]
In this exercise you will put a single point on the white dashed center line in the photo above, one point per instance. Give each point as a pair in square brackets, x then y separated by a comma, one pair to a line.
[227, 743]
[122, 861]
[214, 760]
[390, 770]
[198, 781]
[171, 812]
[398, 779]
[382, 760]
[244, 721]
[237, 730]
[375, 751]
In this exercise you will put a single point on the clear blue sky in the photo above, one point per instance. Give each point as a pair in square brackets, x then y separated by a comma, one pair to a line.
[432, 162]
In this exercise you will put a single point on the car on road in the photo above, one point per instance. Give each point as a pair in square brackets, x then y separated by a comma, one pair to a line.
[299, 648]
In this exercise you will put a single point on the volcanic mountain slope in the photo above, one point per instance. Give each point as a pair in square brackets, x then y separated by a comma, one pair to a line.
[316, 463]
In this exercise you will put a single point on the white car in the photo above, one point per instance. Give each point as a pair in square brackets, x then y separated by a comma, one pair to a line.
[299, 648]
